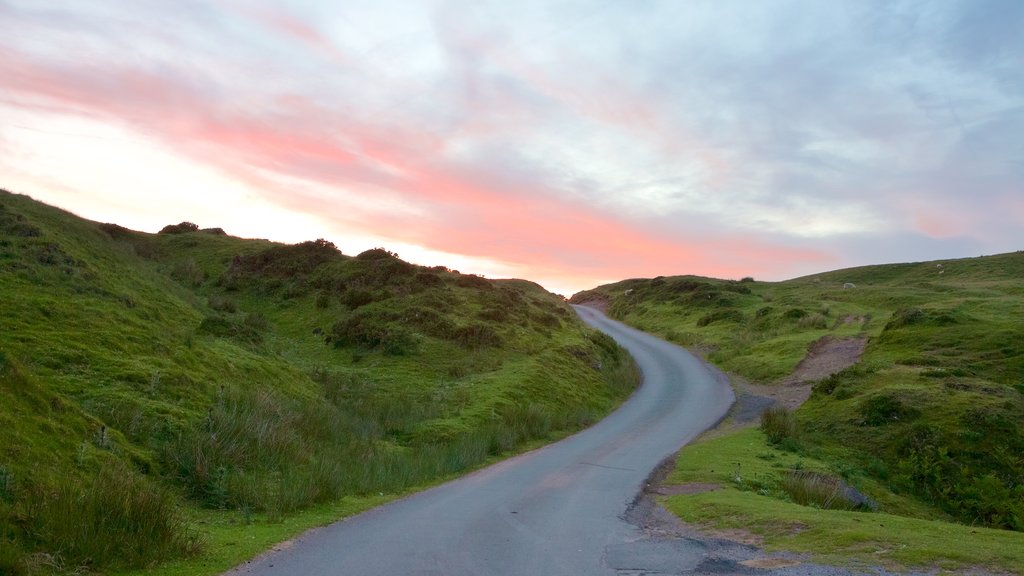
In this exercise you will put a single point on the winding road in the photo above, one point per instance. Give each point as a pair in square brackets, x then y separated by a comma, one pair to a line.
[558, 510]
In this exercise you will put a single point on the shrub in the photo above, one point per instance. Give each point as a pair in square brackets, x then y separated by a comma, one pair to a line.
[114, 230]
[727, 315]
[429, 322]
[16, 225]
[376, 254]
[475, 336]
[296, 260]
[181, 228]
[885, 409]
[428, 280]
[221, 304]
[323, 299]
[373, 331]
[357, 297]
[794, 313]
[905, 317]
[249, 329]
[473, 281]
[828, 384]
[779, 425]
[608, 346]
[546, 319]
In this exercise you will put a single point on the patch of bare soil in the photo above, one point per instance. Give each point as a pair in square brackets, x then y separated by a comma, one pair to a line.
[688, 488]
[826, 357]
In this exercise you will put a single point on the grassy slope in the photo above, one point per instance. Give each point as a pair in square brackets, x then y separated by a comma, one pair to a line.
[929, 423]
[244, 390]
[754, 503]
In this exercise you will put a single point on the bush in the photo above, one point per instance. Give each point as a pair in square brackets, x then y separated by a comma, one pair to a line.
[727, 315]
[476, 336]
[905, 317]
[428, 280]
[779, 425]
[181, 228]
[373, 331]
[357, 298]
[249, 329]
[323, 299]
[885, 409]
[473, 281]
[429, 322]
[296, 260]
[794, 313]
[16, 225]
[376, 254]
[114, 230]
[221, 304]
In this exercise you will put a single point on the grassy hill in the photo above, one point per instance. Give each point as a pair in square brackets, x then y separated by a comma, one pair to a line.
[189, 395]
[930, 422]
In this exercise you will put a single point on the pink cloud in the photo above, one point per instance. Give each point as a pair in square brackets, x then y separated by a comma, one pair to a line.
[462, 211]
[287, 24]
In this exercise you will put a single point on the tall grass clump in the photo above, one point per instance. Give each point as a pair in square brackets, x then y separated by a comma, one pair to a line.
[779, 426]
[115, 519]
[819, 491]
[262, 451]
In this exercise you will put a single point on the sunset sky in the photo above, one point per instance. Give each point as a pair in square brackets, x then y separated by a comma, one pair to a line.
[568, 142]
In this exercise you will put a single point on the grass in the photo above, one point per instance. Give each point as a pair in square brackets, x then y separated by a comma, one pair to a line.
[253, 388]
[933, 410]
[779, 425]
[117, 516]
[754, 498]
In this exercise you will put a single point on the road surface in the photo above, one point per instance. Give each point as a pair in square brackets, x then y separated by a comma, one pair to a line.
[554, 511]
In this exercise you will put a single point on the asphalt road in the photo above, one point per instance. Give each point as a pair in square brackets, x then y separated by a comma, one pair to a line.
[554, 511]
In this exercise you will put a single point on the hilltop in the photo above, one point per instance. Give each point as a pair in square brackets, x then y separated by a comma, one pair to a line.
[929, 423]
[193, 396]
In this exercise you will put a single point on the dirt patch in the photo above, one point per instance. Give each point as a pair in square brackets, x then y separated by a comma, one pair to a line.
[826, 357]
[851, 319]
[738, 535]
[689, 488]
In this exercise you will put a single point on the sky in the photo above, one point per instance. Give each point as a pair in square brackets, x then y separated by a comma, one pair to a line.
[570, 142]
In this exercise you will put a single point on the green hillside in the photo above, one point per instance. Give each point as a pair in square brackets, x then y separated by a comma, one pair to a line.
[187, 395]
[932, 418]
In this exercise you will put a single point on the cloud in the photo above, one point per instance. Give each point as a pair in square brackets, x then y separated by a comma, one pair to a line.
[571, 140]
